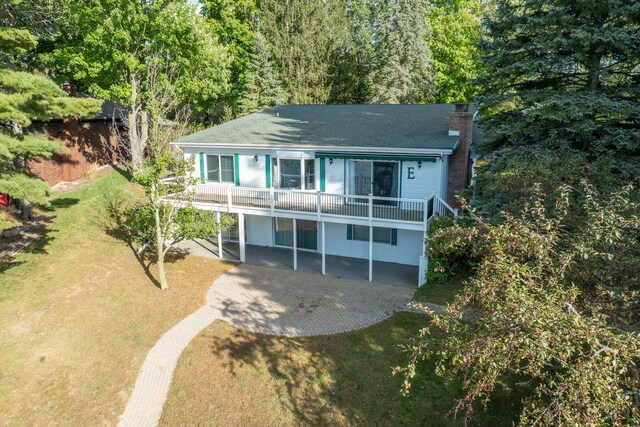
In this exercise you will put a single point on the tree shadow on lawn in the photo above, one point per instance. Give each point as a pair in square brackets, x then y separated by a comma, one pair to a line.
[35, 239]
[347, 378]
[113, 222]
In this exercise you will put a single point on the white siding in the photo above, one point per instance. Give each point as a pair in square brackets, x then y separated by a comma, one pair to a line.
[444, 177]
[259, 230]
[426, 182]
[334, 176]
[252, 173]
[407, 251]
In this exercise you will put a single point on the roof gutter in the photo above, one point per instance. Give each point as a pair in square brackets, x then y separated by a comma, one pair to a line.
[324, 148]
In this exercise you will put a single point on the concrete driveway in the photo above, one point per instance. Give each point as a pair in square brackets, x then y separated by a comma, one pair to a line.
[283, 302]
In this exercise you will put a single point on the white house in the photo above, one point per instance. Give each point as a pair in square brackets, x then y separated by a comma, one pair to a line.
[348, 180]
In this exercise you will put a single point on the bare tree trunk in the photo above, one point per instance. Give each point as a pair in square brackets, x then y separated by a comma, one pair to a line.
[132, 131]
[25, 209]
[164, 285]
[144, 130]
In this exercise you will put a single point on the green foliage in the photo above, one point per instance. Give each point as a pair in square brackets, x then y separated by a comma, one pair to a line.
[451, 250]
[234, 23]
[107, 44]
[557, 306]
[402, 65]
[455, 27]
[157, 222]
[25, 97]
[351, 64]
[561, 72]
[303, 34]
[262, 85]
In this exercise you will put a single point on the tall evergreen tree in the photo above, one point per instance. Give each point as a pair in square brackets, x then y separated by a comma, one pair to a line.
[25, 97]
[403, 66]
[263, 86]
[563, 72]
[303, 34]
[350, 64]
[562, 81]
[456, 33]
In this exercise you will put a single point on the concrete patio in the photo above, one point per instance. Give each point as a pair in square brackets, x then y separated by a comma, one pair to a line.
[405, 276]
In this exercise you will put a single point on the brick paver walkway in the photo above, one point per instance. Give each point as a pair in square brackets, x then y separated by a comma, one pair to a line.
[266, 300]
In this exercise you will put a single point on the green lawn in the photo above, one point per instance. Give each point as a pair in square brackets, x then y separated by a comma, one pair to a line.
[230, 377]
[79, 313]
[441, 293]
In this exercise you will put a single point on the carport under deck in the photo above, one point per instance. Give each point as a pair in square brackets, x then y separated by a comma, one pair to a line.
[309, 262]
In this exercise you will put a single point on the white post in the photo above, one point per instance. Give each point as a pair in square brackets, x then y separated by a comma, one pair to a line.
[318, 204]
[228, 196]
[324, 252]
[271, 200]
[370, 237]
[295, 245]
[219, 235]
[370, 252]
[241, 236]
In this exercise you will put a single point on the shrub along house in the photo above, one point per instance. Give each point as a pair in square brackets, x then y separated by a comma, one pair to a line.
[348, 180]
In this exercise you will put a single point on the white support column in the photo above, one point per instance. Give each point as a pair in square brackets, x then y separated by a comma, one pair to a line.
[370, 237]
[295, 245]
[370, 252]
[219, 236]
[241, 236]
[324, 250]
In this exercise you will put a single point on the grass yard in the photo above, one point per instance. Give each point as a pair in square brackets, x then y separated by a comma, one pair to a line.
[79, 314]
[230, 377]
[441, 293]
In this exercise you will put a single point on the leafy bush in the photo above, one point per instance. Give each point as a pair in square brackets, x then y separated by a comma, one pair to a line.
[558, 307]
[451, 249]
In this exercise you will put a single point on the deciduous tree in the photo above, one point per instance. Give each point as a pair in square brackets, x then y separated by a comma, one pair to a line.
[557, 311]
[455, 26]
[108, 46]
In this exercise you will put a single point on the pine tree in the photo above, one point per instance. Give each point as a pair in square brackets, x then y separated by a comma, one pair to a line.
[403, 67]
[303, 35]
[350, 64]
[563, 73]
[262, 85]
[25, 97]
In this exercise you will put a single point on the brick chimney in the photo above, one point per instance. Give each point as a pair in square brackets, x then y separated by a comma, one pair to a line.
[461, 125]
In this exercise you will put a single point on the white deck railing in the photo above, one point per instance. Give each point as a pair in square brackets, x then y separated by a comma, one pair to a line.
[346, 205]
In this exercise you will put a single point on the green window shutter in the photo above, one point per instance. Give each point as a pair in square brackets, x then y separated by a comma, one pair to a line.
[267, 169]
[400, 184]
[349, 232]
[323, 186]
[394, 236]
[236, 164]
[202, 167]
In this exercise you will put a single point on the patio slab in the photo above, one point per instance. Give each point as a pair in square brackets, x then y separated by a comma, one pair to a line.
[405, 276]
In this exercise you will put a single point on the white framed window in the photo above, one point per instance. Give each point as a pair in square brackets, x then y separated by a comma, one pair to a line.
[295, 174]
[385, 235]
[220, 168]
[379, 178]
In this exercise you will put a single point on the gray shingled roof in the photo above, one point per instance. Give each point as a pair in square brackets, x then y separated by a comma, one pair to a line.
[399, 126]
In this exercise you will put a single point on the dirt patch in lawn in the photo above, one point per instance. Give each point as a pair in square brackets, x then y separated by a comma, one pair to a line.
[79, 314]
